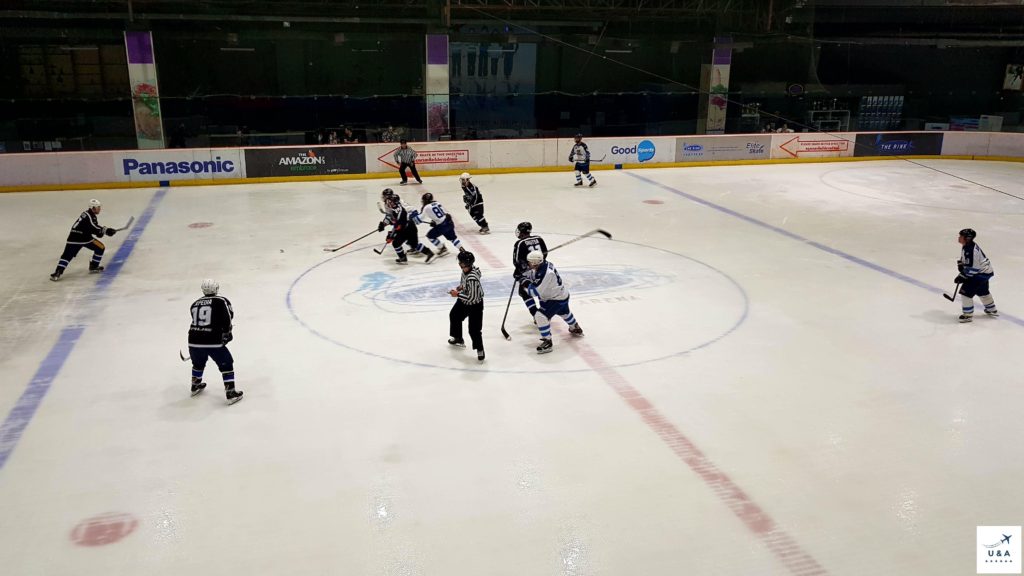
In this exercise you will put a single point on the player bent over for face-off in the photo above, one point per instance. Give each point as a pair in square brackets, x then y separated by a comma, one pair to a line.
[208, 337]
[550, 297]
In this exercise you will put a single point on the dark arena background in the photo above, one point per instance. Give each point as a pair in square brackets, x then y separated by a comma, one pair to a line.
[773, 330]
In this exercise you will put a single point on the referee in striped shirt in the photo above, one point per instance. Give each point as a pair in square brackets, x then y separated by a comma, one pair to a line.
[470, 304]
[406, 158]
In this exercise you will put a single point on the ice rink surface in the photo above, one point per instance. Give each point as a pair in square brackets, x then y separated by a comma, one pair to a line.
[770, 381]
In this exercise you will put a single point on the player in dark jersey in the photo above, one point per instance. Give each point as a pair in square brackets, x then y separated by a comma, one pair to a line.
[527, 243]
[474, 202]
[85, 233]
[403, 231]
[208, 338]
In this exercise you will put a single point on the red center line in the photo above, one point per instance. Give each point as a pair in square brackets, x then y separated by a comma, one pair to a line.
[781, 544]
[479, 248]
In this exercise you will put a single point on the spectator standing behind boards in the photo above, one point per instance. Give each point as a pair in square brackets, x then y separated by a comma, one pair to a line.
[406, 158]
[332, 138]
[785, 129]
[389, 135]
[348, 137]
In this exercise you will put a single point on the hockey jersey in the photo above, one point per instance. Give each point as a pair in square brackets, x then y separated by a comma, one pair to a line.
[521, 249]
[398, 218]
[579, 153]
[433, 212]
[545, 284]
[85, 228]
[211, 322]
[973, 263]
[471, 196]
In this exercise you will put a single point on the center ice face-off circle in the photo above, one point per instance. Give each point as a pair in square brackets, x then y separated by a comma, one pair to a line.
[636, 303]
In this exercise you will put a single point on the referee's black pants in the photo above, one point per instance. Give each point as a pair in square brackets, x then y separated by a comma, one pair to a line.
[415, 174]
[475, 313]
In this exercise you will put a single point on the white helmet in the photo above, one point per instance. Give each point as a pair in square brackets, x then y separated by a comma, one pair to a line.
[535, 257]
[94, 203]
[210, 287]
[465, 176]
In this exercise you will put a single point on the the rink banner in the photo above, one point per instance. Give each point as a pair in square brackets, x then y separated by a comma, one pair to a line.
[706, 149]
[149, 131]
[188, 164]
[307, 161]
[899, 144]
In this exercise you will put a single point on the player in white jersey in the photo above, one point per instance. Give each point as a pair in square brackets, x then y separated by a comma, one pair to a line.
[441, 224]
[580, 155]
[975, 271]
[551, 298]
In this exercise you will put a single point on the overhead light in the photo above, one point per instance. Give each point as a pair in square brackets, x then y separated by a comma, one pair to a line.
[79, 48]
[237, 49]
[615, 51]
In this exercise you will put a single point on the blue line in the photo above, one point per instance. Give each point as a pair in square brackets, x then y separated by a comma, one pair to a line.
[28, 404]
[834, 251]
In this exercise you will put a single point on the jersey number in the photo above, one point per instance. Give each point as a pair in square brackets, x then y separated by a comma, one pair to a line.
[438, 211]
[202, 316]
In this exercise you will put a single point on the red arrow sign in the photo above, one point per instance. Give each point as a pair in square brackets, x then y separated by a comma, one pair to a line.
[429, 157]
[797, 146]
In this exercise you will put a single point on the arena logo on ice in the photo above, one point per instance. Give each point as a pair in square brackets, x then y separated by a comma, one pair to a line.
[395, 294]
[215, 166]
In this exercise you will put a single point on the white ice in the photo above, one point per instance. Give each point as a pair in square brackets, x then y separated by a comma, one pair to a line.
[743, 402]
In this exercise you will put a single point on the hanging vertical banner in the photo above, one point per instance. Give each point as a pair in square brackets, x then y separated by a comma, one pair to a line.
[149, 131]
[437, 87]
[718, 86]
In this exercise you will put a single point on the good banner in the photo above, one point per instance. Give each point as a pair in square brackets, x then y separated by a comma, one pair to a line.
[697, 149]
[310, 161]
[899, 144]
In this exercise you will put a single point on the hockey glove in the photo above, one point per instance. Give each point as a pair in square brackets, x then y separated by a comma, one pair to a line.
[433, 224]
[226, 337]
[960, 279]
[110, 231]
[380, 227]
[391, 236]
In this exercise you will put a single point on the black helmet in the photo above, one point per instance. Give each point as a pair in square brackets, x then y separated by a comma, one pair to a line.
[467, 258]
[427, 198]
[578, 137]
[524, 229]
[387, 193]
[969, 233]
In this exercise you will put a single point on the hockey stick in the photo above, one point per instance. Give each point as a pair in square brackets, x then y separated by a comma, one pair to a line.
[952, 298]
[382, 248]
[510, 294]
[350, 243]
[591, 233]
[183, 357]
[578, 238]
[125, 227]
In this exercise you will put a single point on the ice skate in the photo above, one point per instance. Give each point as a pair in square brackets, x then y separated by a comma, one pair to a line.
[442, 251]
[56, 276]
[430, 255]
[402, 183]
[593, 182]
[545, 346]
[485, 230]
[964, 318]
[95, 269]
[233, 396]
[580, 183]
[457, 342]
[993, 313]
[402, 259]
[197, 386]
[480, 355]
[576, 330]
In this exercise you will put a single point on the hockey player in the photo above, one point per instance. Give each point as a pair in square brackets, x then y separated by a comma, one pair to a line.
[551, 298]
[974, 273]
[82, 236]
[580, 154]
[470, 304]
[208, 338]
[403, 231]
[526, 244]
[441, 224]
[474, 201]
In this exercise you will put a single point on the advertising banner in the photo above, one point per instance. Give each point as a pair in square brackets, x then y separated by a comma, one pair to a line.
[149, 131]
[813, 145]
[438, 156]
[308, 161]
[899, 144]
[190, 164]
[437, 87]
[704, 149]
[625, 150]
